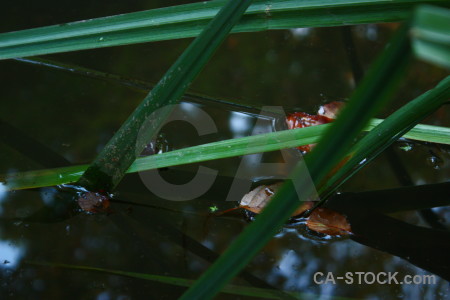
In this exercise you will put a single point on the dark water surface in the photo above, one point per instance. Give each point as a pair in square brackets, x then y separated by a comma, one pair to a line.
[74, 116]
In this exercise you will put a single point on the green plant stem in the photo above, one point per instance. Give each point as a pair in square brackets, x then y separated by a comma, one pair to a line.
[188, 20]
[137, 84]
[370, 95]
[386, 133]
[216, 150]
[430, 32]
[108, 169]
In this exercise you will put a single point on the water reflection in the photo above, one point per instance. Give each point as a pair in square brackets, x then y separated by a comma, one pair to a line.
[239, 124]
[48, 195]
[300, 33]
[10, 254]
[3, 192]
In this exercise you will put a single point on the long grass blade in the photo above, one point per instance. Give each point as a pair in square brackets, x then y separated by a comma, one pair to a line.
[137, 84]
[240, 290]
[217, 150]
[373, 92]
[387, 132]
[431, 34]
[109, 167]
[422, 132]
[189, 20]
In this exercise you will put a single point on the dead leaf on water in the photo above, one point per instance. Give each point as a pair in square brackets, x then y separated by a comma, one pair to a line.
[93, 202]
[329, 222]
[258, 198]
[327, 113]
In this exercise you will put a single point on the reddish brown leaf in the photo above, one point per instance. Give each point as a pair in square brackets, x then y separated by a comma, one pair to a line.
[329, 222]
[93, 202]
[301, 119]
[326, 114]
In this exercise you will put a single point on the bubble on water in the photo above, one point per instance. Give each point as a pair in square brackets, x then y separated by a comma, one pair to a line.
[267, 10]
[363, 161]
[300, 33]
[371, 32]
[3, 193]
[157, 146]
[162, 144]
[406, 147]
[435, 162]
[48, 195]
[17, 223]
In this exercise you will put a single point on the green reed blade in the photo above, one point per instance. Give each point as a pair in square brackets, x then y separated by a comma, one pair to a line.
[217, 150]
[422, 132]
[387, 132]
[189, 20]
[431, 34]
[108, 169]
[372, 93]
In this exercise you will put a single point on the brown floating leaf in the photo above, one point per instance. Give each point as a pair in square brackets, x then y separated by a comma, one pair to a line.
[93, 202]
[327, 113]
[301, 120]
[258, 198]
[329, 222]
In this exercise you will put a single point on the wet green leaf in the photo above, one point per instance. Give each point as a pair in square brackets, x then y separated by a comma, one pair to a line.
[109, 167]
[431, 34]
[189, 20]
[387, 132]
[217, 150]
[370, 96]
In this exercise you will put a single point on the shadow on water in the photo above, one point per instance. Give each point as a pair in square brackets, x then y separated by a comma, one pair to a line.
[162, 229]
